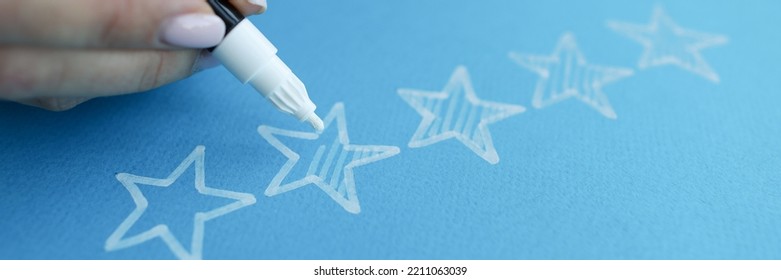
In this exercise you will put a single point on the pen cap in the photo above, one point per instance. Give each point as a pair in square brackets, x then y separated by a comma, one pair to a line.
[244, 51]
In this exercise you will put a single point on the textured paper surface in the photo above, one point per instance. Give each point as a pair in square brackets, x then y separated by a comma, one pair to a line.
[690, 167]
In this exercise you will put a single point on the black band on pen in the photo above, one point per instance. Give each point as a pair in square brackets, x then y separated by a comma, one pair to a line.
[227, 12]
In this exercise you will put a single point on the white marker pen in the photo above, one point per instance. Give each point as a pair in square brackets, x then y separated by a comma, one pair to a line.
[247, 54]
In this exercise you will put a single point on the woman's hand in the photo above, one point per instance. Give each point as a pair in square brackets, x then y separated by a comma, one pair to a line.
[56, 54]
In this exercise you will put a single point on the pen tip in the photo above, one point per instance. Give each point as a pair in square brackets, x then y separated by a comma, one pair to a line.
[316, 122]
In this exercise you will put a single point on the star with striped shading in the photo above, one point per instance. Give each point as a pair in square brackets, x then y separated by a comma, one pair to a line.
[330, 163]
[456, 112]
[666, 43]
[566, 74]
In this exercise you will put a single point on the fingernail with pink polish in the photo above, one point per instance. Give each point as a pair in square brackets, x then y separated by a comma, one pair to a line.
[192, 31]
[260, 3]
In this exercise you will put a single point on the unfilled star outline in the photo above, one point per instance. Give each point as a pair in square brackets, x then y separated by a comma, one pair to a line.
[331, 167]
[457, 112]
[118, 239]
[566, 74]
[666, 43]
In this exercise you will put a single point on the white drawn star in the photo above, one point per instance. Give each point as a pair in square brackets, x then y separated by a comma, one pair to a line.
[667, 43]
[456, 112]
[331, 168]
[565, 74]
[118, 240]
